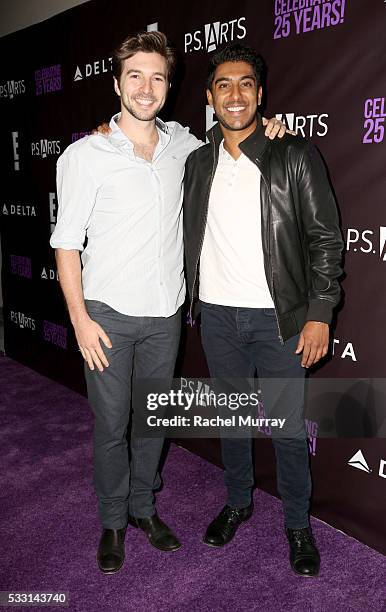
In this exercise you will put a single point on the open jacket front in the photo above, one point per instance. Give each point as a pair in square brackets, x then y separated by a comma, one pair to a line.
[301, 238]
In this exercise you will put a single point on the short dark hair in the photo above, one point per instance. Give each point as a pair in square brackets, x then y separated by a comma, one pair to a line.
[235, 52]
[148, 42]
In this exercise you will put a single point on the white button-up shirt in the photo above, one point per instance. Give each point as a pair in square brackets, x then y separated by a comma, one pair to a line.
[131, 212]
[232, 262]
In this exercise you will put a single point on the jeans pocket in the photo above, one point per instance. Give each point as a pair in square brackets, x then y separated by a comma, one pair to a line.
[207, 305]
[269, 312]
[94, 306]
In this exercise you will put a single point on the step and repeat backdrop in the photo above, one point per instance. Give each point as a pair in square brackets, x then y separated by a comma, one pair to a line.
[326, 80]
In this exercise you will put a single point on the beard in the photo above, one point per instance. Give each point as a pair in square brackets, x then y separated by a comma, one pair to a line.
[143, 114]
[240, 126]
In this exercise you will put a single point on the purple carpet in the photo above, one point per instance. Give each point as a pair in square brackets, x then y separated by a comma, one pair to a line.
[50, 527]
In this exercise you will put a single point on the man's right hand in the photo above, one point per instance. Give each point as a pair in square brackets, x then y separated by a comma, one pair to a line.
[88, 334]
[103, 129]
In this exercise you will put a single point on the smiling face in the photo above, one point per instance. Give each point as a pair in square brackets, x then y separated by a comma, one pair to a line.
[235, 96]
[143, 85]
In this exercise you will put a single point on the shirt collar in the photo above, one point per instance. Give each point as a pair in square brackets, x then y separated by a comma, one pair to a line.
[225, 158]
[119, 138]
[253, 147]
[223, 155]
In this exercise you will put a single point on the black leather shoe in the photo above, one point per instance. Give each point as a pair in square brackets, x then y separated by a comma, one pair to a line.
[224, 527]
[111, 550]
[159, 535]
[304, 556]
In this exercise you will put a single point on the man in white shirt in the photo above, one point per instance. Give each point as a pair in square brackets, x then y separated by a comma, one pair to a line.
[124, 193]
[263, 258]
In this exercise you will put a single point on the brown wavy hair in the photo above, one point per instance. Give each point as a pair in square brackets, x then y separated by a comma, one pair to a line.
[148, 42]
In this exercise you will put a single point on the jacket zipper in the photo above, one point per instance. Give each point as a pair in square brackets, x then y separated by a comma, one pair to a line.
[270, 260]
[190, 320]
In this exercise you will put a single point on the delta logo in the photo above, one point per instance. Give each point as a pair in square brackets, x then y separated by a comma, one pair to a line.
[94, 68]
[18, 210]
[49, 274]
[343, 349]
[359, 462]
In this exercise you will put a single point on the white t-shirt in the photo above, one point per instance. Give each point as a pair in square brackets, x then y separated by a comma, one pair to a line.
[231, 265]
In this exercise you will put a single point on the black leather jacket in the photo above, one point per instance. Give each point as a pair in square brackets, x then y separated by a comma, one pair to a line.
[301, 238]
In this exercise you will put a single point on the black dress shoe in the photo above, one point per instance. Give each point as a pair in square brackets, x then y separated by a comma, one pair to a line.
[111, 550]
[223, 528]
[304, 556]
[159, 535]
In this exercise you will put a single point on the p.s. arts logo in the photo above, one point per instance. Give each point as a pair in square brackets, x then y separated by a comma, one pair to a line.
[374, 120]
[18, 209]
[306, 125]
[367, 241]
[48, 79]
[22, 320]
[211, 35]
[45, 148]
[10, 89]
[93, 68]
[301, 16]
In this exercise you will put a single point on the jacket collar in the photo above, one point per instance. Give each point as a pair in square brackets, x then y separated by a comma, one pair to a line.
[253, 146]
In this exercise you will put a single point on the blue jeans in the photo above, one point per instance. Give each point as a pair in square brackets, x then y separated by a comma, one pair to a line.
[242, 342]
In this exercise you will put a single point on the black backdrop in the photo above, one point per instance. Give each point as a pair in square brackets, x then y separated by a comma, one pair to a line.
[327, 79]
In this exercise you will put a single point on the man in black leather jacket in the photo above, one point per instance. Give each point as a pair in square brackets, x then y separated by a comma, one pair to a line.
[263, 252]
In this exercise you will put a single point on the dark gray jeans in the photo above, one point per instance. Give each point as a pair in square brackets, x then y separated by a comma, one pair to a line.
[240, 342]
[142, 347]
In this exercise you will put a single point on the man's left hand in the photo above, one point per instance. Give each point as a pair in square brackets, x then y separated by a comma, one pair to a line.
[313, 341]
[274, 127]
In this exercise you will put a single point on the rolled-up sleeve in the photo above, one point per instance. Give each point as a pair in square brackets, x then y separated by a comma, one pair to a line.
[76, 189]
